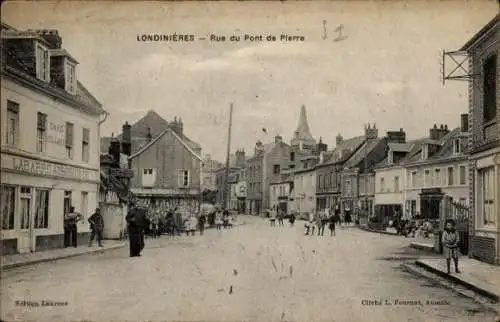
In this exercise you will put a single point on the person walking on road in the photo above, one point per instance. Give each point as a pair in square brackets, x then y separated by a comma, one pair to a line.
[96, 222]
[136, 222]
[70, 228]
[333, 220]
[450, 240]
[218, 219]
[291, 219]
[347, 216]
[272, 217]
[281, 216]
[201, 223]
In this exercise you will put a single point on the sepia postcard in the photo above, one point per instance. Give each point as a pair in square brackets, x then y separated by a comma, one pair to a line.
[301, 161]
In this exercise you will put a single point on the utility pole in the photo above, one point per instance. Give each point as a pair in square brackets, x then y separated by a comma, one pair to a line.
[226, 183]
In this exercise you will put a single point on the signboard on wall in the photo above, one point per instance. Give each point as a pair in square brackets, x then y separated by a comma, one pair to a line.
[47, 168]
[241, 189]
[56, 133]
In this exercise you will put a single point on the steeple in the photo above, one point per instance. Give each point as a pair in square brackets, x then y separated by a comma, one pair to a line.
[303, 133]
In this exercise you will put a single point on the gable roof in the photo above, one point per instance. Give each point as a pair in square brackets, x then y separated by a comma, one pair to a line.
[159, 137]
[476, 39]
[362, 152]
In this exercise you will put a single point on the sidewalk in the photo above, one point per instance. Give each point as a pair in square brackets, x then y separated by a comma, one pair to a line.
[18, 260]
[365, 228]
[421, 243]
[475, 275]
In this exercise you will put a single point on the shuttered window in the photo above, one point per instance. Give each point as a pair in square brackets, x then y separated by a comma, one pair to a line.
[69, 139]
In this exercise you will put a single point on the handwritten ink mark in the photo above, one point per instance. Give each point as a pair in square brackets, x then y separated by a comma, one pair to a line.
[324, 30]
[340, 37]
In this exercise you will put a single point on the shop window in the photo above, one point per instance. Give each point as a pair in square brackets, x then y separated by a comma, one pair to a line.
[8, 202]
[487, 196]
[42, 209]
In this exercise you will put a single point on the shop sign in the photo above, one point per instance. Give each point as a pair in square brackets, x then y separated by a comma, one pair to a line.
[56, 133]
[45, 168]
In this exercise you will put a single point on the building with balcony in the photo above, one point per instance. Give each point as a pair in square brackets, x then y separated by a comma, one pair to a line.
[50, 127]
[484, 144]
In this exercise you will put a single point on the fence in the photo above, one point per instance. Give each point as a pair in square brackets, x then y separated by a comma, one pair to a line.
[460, 214]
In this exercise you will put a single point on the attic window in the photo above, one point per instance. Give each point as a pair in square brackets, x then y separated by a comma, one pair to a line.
[456, 146]
[70, 76]
[42, 62]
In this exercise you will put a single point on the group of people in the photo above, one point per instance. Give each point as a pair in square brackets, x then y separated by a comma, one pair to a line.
[223, 219]
[320, 219]
[71, 220]
[276, 214]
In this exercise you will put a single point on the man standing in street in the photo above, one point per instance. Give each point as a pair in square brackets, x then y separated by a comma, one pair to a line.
[201, 222]
[70, 230]
[96, 227]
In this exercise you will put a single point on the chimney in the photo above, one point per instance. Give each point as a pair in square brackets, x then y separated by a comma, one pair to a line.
[240, 158]
[114, 150]
[278, 139]
[177, 126]
[321, 147]
[371, 132]
[396, 136]
[51, 36]
[259, 147]
[126, 139]
[339, 139]
[464, 123]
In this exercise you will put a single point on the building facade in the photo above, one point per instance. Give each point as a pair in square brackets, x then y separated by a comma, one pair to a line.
[209, 168]
[304, 184]
[436, 167]
[167, 171]
[49, 142]
[484, 145]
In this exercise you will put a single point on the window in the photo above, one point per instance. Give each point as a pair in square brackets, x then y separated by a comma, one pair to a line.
[292, 156]
[184, 178]
[42, 63]
[41, 132]
[425, 152]
[462, 175]
[69, 139]
[427, 178]
[450, 176]
[25, 207]
[382, 184]
[414, 179]
[8, 202]
[462, 201]
[12, 123]
[489, 89]
[437, 177]
[42, 209]
[292, 166]
[487, 195]
[456, 146]
[396, 183]
[319, 181]
[70, 77]
[67, 201]
[84, 204]
[276, 169]
[85, 145]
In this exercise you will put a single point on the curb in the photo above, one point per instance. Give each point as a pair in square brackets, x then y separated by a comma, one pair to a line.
[50, 259]
[479, 290]
[377, 231]
[426, 248]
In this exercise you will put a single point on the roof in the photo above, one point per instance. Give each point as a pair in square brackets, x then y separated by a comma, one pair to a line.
[159, 137]
[361, 153]
[303, 132]
[62, 52]
[490, 26]
[399, 147]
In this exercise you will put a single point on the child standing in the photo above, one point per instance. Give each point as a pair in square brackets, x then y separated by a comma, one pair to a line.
[450, 241]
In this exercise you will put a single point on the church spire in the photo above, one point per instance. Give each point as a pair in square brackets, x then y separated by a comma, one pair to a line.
[303, 131]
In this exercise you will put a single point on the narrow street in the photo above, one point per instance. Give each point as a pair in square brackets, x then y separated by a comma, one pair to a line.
[252, 272]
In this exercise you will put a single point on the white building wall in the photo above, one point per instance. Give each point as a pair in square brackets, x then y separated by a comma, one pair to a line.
[51, 169]
[389, 194]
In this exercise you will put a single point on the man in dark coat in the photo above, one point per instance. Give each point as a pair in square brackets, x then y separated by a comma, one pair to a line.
[201, 223]
[136, 219]
[96, 222]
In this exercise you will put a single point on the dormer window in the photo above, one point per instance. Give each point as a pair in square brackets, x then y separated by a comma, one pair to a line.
[42, 62]
[70, 76]
[456, 146]
[425, 152]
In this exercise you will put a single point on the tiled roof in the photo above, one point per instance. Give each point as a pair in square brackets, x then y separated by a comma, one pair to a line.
[360, 154]
[351, 144]
[399, 147]
[161, 135]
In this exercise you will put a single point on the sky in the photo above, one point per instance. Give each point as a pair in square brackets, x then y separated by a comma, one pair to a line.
[386, 70]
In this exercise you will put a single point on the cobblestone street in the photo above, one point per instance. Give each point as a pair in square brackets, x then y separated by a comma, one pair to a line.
[253, 273]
